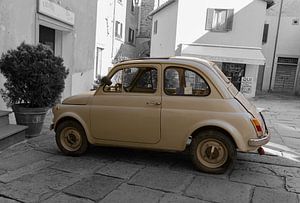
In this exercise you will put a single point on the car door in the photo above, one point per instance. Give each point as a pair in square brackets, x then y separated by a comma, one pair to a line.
[128, 110]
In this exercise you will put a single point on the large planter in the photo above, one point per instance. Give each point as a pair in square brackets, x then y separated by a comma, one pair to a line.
[31, 117]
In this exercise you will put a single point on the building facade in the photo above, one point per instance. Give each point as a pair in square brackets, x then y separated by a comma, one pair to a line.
[121, 32]
[226, 32]
[281, 72]
[90, 35]
[65, 26]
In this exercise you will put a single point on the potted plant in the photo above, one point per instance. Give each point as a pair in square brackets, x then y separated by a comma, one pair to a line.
[35, 79]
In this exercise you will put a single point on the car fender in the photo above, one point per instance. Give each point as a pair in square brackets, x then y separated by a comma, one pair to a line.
[232, 131]
[78, 119]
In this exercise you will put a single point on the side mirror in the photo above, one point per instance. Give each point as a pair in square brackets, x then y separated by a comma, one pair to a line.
[106, 81]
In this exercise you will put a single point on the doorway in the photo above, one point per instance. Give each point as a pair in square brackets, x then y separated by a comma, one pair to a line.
[234, 72]
[47, 37]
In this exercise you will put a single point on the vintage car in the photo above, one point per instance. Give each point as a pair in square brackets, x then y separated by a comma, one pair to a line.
[163, 104]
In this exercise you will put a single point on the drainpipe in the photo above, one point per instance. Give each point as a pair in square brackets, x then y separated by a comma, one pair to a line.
[113, 30]
[139, 19]
[275, 48]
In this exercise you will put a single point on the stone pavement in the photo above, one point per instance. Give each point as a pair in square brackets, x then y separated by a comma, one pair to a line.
[35, 171]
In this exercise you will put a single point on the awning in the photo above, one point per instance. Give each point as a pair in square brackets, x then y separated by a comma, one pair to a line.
[222, 53]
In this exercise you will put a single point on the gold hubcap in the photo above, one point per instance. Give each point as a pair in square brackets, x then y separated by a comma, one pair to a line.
[212, 153]
[70, 139]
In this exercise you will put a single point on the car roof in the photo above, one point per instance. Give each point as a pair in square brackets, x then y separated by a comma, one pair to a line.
[172, 59]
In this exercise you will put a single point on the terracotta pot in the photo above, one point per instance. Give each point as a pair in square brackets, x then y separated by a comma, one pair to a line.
[31, 117]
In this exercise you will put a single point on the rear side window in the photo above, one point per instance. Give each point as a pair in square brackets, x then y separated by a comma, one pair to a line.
[184, 82]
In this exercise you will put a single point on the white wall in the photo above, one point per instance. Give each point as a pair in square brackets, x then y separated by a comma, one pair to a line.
[163, 43]
[247, 28]
[15, 29]
[288, 44]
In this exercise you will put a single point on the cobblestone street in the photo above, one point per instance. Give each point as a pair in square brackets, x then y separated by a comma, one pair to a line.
[35, 171]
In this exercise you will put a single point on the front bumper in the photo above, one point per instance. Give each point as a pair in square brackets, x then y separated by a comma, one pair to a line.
[257, 142]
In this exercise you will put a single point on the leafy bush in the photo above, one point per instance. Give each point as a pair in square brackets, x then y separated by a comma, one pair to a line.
[35, 77]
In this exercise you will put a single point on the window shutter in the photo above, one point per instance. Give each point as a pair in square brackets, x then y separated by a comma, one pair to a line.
[265, 34]
[229, 23]
[121, 30]
[209, 18]
[116, 28]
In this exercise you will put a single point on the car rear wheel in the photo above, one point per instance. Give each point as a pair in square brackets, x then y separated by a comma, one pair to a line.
[71, 138]
[212, 151]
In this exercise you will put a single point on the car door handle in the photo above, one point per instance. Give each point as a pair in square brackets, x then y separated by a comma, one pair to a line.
[153, 103]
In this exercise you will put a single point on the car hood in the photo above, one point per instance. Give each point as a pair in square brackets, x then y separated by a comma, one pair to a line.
[81, 99]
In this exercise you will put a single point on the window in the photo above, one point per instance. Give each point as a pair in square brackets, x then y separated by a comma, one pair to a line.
[134, 79]
[265, 34]
[98, 62]
[219, 20]
[119, 29]
[120, 1]
[116, 83]
[155, 27]
[184, 82]
[131, 36]
[132, 6]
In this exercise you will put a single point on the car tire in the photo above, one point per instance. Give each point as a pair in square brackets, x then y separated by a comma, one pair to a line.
[71, 138]
[212, 151]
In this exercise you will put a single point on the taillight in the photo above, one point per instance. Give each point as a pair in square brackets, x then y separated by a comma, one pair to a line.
[257, 126]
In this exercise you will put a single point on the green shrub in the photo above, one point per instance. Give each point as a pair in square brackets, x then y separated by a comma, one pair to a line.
[34, 76]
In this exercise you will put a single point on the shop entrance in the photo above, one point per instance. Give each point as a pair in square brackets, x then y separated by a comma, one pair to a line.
[47, 37]
[234, 72]
[285, 74]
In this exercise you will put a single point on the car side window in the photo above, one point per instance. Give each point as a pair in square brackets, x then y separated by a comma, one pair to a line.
[143, 81]
[134, 79]
[184, 82]
[116, 83]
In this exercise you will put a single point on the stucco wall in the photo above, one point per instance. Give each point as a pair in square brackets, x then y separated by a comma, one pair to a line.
[288, 45]
[247, 27]
[163, 43]
[17, 24]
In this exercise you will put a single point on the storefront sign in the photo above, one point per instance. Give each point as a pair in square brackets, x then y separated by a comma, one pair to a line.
[246, 85]
[56, 11]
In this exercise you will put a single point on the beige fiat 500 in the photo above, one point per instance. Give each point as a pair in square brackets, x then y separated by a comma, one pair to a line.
[163, 104]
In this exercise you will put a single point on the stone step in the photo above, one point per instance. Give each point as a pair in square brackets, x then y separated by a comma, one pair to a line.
[4, 119]
[11, 134]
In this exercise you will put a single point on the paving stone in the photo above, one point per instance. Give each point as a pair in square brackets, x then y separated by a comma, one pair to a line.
[162, 179]
[2, 172]
[28, 169]
[132, 194]
[120, 169]
[14, 150]
[280, 161]
[267, 169]
[186, 166]
[217, 190]
[94, 187]
[22, 159]
[6, 200]
[175, 198]
[39, 186]
[45, 142]
[267, 195]
[62, 198]
[81, 165]
[258, 179]
[293, 184]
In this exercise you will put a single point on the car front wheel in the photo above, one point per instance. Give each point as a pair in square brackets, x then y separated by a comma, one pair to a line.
[71, 138]
[212, 151]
